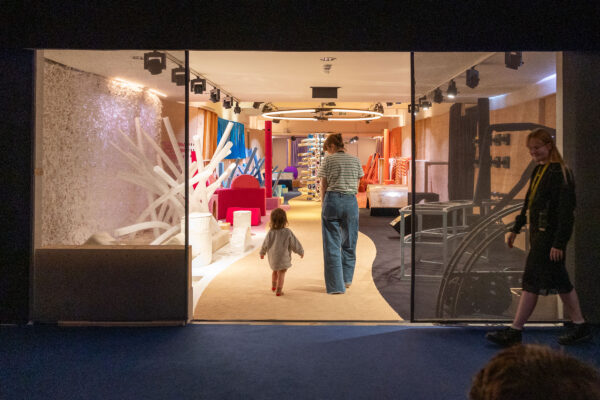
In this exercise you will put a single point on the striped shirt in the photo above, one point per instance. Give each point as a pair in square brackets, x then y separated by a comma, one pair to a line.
[342, 172]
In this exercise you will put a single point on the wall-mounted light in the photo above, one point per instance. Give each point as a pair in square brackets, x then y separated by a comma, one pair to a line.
[178, 76]
[472, 78]
[438, 97]
[227, 102]
[424, 104]
[198, 85]
[451, 92]
[513, 59]
[155, 62]
[215, 95]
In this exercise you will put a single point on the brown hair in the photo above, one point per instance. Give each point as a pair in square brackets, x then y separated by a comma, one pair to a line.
[278, 219]
[335, 140]
[545, 137]
[535, 372]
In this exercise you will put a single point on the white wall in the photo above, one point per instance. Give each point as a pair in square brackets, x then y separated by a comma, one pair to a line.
[82, 115]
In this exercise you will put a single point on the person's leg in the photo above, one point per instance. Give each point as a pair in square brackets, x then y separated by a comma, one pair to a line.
[332, 259]
[512, 335]
[349, 237]
[526, 306]
[273, 280]
[280, 280]
[571, 301]
[580, 331]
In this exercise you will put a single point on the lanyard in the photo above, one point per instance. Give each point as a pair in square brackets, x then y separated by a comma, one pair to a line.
[536, 182]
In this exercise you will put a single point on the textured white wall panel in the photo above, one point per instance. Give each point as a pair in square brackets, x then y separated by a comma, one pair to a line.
[82, 114]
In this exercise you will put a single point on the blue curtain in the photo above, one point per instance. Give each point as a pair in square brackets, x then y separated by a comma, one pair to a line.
[236, 137]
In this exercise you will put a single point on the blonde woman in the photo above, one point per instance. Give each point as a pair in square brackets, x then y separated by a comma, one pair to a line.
[550, 202]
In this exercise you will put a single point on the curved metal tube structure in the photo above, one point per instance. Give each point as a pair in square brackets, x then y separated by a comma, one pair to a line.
[478, 243]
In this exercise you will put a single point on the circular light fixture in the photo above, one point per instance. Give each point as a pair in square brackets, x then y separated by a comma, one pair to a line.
[319, 114]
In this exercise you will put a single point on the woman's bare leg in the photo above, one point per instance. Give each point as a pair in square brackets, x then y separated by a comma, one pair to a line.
[526, 306]
[571, 301]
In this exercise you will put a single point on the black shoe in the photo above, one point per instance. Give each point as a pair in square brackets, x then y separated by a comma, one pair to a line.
[577, 334]
[504, 337]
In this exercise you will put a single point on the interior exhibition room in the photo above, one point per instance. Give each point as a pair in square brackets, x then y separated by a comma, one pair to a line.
[118, 193]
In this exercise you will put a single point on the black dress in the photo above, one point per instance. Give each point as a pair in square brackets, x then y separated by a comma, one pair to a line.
[551, 218]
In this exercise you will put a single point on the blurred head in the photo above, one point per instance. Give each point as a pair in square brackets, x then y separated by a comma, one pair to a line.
[542, 147]
[528, 372]
[333, 143]
[278, 219]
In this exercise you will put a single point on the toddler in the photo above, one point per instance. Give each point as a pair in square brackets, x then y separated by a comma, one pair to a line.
[279, 244]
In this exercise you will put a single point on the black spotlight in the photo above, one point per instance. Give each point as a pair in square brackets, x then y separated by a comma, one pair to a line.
[276, 121]
[256, 105]
[415, 111]
[472, 78]
[198, 85]
[293, 138]
[155, 62]
[215, 95]
[354, 139]
[267, 108]
[424, 104]
[438, 97]
[227, 102]
[237, 108]
[389, 104]
[451, 92]
[178, 76]
[513, 59]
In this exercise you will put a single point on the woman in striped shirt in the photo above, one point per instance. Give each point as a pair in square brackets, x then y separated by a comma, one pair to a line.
[340, 174]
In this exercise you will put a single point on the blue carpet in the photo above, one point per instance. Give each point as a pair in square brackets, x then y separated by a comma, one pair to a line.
[249, 361]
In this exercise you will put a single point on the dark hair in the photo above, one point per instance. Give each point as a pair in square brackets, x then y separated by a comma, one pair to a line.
[334, 139]
[535, 372]
[278, 219]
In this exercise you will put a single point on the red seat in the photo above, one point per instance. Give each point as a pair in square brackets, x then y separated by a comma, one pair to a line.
[254, 219]
[245, 192]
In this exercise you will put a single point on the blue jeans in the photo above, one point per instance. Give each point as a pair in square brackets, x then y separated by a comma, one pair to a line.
[339, 223]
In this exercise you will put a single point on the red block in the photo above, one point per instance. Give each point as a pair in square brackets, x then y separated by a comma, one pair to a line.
[254, 219]
[245, 192]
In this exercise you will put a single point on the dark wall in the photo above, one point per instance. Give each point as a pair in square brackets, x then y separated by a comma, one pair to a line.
[581, 102]
[16, 145]
[344, 25]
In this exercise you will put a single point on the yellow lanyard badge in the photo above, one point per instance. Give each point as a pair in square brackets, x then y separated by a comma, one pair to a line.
[536, 182]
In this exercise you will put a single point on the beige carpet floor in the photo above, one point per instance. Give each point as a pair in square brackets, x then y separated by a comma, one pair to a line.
[243, 290]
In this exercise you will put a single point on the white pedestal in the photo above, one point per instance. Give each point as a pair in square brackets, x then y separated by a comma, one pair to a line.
[241, 236]
[200, 236]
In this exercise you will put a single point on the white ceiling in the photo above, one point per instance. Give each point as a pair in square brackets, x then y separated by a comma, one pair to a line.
[285, 78]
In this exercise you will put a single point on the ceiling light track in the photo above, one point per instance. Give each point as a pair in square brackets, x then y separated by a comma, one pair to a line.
[198, 75]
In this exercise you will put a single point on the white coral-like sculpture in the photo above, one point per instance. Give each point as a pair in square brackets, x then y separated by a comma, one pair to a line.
[165, 191]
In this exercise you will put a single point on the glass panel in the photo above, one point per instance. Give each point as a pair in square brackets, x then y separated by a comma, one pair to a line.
[473, 168]
[111, 148]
